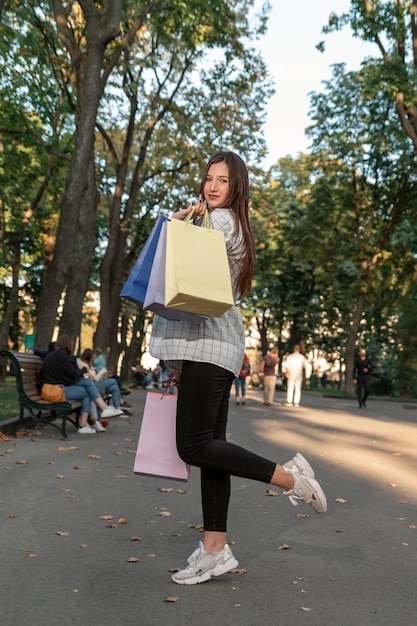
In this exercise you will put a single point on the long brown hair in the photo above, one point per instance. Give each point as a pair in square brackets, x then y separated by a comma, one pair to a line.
[238, 201]
[64, 342]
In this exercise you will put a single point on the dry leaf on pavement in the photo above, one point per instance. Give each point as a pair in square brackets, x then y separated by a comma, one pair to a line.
[271, 492]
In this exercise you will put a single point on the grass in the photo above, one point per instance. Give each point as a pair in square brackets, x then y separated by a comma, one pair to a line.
[9, 402]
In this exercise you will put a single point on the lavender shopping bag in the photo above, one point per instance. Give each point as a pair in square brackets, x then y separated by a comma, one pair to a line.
[135, 287]
[155, 293]
[156, 454]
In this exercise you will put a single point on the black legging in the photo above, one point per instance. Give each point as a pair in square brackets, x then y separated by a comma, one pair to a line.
[363, 387]
[203, 402]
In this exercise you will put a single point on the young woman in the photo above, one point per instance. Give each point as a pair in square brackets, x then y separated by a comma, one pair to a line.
[209, 356]
[103, 385]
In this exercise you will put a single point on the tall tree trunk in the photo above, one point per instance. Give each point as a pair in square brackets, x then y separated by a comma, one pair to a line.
[82, 252]
[102, 26]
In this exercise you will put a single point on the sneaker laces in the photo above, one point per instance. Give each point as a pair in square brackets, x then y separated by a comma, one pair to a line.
[294, 494]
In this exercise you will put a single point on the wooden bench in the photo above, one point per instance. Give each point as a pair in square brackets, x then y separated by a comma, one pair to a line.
[26, 369]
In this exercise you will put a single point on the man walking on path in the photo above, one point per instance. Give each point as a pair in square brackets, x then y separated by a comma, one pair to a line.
[269, 366]
[361, 377]
[295, 367]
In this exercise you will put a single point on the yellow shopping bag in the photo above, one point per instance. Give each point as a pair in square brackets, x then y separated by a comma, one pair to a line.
[197, 276]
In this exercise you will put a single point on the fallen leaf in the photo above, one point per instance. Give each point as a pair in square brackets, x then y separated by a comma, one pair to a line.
[340, 500]
[164, 514]
[165, 489]
[392, 484]
[122, 520]
[30, 555]
[120, 476]
[75, 467]
[284, 546]
[236, 606]
[62, 533]
[303, 515]
[198, 527]
[117, 453]
[127, 439]
[60, 476]
[412, 526]
[304, 608]
[151, 556]
[66, 490]
[111, 526]
[106, 517]
[401, 501]
[12, 515]
[271, 492]
[134, 538]
[238, 570]
[174, 569]
[83, 545]
[65, 449]
[132, 559]
[95, 457]
[170, 599]
[22, 462]
[180, 491]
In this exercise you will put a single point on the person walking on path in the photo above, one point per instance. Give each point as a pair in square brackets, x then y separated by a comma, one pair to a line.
[205, 359]
[294, 369]
[361, 377]
[268, 372]
[240, 381]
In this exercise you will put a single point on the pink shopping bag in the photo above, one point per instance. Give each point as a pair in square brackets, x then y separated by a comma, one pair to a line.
[156, 454]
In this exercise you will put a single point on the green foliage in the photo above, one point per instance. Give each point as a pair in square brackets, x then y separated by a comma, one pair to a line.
[9, 402]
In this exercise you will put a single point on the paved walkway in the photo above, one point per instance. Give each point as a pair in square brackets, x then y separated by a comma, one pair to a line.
[85, 541]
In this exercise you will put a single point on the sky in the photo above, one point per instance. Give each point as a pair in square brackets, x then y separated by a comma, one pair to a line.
[297, 67]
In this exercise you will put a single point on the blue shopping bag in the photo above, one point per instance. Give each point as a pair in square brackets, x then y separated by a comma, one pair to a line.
[136, 285]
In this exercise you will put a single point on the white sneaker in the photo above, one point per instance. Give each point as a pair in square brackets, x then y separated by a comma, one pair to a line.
[99, 428]
[111, 411]
[307, 489]
[203, 565]
[299, 464]
[86, 430]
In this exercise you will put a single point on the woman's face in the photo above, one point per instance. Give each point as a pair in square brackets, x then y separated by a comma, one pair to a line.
[216, 187]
